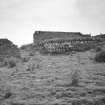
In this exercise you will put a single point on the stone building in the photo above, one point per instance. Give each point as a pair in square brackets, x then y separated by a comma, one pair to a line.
[60, 42]
[39, 36]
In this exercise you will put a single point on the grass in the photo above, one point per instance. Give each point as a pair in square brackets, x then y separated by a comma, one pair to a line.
[32, 88]
[75, 78]
[100, 57]
[98, 49]
[10, 62]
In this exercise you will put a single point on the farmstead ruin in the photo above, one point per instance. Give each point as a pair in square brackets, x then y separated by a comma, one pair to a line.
[48, 35]
[61, 42]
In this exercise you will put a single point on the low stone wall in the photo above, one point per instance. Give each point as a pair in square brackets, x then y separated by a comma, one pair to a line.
[60, 46]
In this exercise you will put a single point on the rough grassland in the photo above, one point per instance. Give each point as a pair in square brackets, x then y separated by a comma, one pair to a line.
[47, 80]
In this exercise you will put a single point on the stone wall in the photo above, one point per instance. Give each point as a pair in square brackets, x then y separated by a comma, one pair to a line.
[59, 46]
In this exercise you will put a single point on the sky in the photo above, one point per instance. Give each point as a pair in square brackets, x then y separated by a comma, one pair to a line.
[19, 19]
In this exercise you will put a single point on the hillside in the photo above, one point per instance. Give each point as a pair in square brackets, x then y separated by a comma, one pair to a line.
[73, 79]
[8, 49]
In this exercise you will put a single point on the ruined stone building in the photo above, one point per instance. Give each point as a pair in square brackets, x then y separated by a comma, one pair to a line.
[46, 35]
[60, 42]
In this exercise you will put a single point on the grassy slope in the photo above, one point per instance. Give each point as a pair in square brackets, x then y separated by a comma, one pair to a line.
[46, 80]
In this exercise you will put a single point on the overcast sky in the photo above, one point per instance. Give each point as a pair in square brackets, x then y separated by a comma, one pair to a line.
[20, 18]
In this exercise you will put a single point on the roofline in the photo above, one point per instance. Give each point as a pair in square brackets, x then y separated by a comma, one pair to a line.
[57, 32]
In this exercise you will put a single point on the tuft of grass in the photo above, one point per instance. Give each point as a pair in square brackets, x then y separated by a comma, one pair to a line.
[17, 104]
[25, 59]
[100, 57]
[31, 67]
[98, 49]
[8, 95]
[75, 78]
[10, 62]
